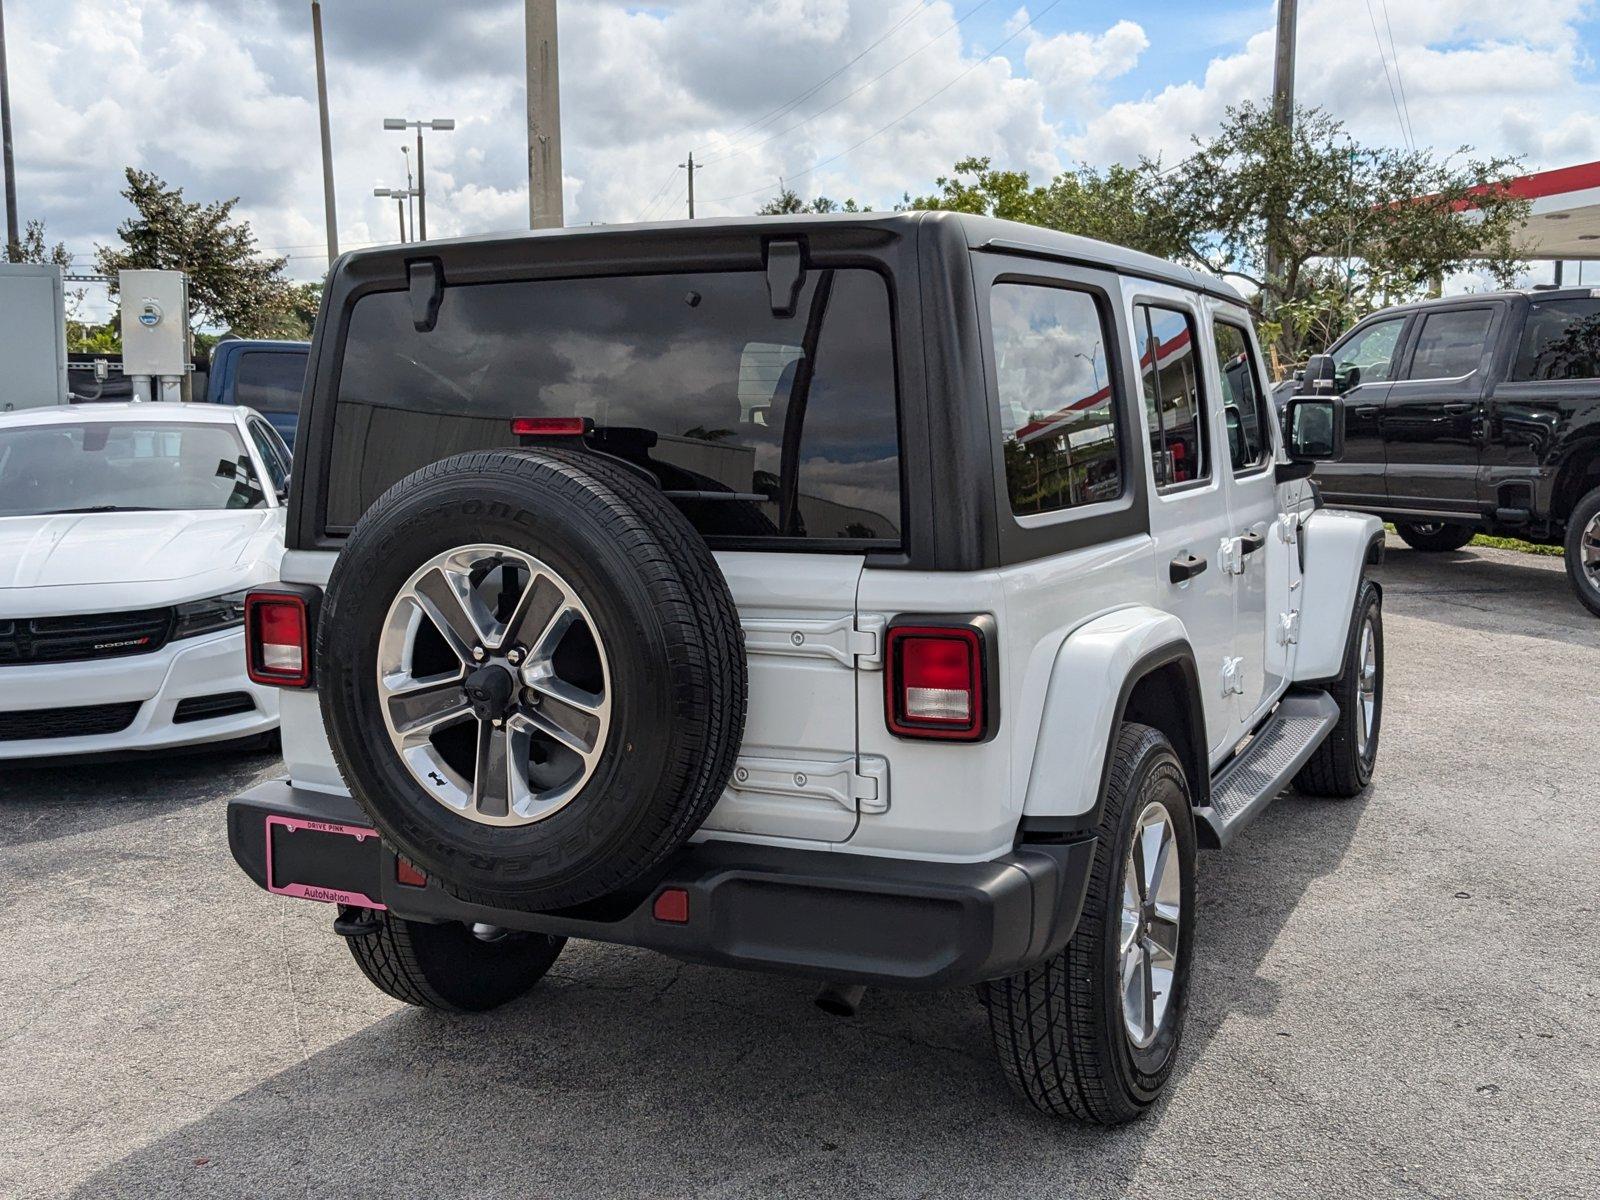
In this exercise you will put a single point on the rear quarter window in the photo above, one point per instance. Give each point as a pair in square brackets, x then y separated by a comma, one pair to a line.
[786, 427]
[270, 381]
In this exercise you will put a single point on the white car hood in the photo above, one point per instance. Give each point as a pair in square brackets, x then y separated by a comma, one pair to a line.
[109, 561]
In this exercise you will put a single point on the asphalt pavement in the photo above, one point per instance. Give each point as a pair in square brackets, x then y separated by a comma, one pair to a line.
[1394, 996]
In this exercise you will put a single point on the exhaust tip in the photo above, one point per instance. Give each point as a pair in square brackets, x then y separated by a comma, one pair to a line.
[841, 1000]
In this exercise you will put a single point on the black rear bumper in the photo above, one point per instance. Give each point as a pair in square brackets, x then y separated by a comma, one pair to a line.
[823, 915]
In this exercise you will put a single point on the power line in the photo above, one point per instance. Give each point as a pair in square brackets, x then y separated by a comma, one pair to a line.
[1405, 137]
[795, 102]
[737, 151]
[651, 203]
[790, 177]
[1398, 77]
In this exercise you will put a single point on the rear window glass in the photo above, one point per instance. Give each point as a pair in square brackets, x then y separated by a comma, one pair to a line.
[1560, 341]
[1451, 344]
[767, 426]
[270, 381]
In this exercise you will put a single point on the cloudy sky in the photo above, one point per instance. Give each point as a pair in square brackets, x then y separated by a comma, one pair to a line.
[862, 98]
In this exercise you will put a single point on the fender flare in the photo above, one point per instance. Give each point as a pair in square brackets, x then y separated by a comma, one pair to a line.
[1069, 774]
[1336, 549]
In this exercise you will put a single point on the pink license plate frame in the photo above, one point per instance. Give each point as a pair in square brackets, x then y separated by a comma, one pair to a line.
[306, 891]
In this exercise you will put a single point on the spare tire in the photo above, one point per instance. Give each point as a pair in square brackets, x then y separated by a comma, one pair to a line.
[532, 675]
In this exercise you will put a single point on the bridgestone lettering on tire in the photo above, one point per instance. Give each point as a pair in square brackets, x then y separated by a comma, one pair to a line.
[522, 757]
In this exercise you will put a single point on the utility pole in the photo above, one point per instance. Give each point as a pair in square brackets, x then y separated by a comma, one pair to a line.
[692, 168]
[13, 236]
[544, 117]
[1282, 115]
[327, 137]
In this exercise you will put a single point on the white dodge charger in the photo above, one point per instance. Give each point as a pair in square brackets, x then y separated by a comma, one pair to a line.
[128, 536]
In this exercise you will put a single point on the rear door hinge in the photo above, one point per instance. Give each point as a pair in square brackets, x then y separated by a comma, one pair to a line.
[859, 784]
[848, 641]
[1233, 677]
[1289, 628]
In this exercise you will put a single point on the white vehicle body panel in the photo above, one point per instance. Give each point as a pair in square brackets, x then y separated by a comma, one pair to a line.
[57, 565]
[1336, 546]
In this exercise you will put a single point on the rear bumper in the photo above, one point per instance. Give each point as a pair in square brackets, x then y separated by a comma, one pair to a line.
[850, 918]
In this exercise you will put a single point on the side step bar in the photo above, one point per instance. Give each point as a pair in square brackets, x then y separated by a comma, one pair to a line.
[1253, 780]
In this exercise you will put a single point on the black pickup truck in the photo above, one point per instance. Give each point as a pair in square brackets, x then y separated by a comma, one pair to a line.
[1474, 414]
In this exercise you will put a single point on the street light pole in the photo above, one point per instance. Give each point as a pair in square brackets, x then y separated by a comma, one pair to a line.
[399, 196]
[13, 236]
[411, 186]
[327, 137]
[440, 124]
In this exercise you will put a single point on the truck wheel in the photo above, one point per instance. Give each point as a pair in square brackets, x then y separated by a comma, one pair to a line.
[1342, 766]
[1437, 537]
[446, 967]
[532, 675]
[1092, 1032]
[1583, 551]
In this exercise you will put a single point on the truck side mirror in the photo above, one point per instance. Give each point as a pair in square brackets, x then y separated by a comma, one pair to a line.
[1316, 428]
[1321, 376]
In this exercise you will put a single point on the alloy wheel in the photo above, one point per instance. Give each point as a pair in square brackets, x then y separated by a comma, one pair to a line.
[1152, 917]
[494, 685]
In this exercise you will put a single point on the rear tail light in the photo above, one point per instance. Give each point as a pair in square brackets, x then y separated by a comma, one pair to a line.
[937, 682]
[278, 638]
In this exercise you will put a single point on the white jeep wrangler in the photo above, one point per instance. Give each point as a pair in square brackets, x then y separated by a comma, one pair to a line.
[889, 600]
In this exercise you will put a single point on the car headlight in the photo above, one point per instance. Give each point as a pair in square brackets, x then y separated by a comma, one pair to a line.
[209, 615]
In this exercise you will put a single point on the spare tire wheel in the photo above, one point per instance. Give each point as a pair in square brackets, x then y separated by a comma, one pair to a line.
[532, 675]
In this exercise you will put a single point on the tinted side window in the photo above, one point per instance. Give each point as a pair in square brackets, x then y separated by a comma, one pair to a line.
[780, 426]
[269, 381]
[1371, 352]
[1244, 399]
[1560, 341]
[1057, 408]
[1451, 344]
[1170, 376]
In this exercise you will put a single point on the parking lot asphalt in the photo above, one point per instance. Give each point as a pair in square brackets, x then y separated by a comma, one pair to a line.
[1394, 996]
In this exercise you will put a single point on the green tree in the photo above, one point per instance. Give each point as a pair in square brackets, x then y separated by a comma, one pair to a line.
[788, 202]
[34, 248]
[1119, 205]
[1352, 228]
[230, 282]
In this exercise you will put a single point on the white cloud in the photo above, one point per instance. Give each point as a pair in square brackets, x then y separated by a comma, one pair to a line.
[217, 96]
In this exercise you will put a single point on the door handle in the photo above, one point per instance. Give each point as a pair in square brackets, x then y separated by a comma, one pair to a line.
[1367, 410]
[1458, 408]
[1186, 566]
[1249, 543]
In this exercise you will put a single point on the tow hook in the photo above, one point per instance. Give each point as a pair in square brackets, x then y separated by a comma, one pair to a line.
[356, 922]
[841, 999]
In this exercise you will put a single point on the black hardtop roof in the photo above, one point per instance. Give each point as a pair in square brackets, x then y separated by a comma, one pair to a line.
[979, 233]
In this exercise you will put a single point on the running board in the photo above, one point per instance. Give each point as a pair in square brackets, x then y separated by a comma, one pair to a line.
[1253, 780]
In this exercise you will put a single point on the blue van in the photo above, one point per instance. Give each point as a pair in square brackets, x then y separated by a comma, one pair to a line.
[264, 375]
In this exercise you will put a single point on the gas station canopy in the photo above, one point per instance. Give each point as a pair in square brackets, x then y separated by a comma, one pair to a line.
[1565, 222]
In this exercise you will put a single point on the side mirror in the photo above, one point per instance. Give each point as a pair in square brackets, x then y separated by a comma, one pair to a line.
[1320, 377]
[1315, 426]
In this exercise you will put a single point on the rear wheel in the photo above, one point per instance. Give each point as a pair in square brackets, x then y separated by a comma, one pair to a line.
[1092, 1033]
[448, 967]
[1435, 537]
[1583, 551]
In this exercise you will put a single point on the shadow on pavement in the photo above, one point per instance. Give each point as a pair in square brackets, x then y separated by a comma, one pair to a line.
[627, 1074]
[1469, 589]
[54, 798]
